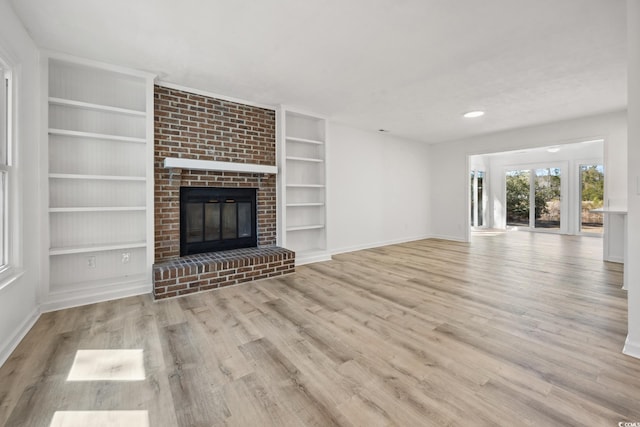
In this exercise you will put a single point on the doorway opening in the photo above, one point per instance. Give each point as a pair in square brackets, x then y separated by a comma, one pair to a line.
[547, 189]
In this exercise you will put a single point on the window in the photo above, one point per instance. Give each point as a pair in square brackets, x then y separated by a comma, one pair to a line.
[477, 198]
[591, 197]
[5, 159]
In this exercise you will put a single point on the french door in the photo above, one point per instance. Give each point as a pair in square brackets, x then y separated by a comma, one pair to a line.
[591, 197]
[534, 198]
[477, 198]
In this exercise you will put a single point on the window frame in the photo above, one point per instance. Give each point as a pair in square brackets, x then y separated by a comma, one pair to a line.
[579, 164]
[7, 170]
[478, 214]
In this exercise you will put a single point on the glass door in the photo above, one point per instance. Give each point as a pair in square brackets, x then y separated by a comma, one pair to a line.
[480, 197]
[547, 184]
[591, 197]
[472, 199]
[477, 198]
[533, 198]
[518, 192]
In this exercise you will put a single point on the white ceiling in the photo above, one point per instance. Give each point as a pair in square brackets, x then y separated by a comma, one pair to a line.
[410, 66]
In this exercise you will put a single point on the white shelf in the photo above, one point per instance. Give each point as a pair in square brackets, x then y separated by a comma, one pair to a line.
[97, 107]
[194, 164]
[296, 205]
[78, 134]
[305, 140]
[99, 209]
[305, 227]
[95, 248]
[305, 185]
[305, 159]
[96, 177]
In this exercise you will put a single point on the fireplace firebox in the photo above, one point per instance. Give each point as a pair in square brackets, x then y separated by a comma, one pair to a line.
[216, 219]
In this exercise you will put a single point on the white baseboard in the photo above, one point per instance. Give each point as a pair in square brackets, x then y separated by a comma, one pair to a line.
[310, 259]
[9, 345]
[378, 244]
[631, 348]
[68, 299]
[446, 237]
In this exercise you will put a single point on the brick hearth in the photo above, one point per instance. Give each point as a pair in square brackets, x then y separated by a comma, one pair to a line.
[202, 272]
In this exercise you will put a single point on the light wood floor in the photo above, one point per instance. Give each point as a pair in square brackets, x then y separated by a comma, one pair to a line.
[512, 329]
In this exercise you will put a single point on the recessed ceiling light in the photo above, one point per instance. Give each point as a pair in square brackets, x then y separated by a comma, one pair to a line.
[473, 114]
[553, 149]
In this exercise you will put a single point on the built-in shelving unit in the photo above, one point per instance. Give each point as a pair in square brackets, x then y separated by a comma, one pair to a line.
[100, 132]
[302, 150]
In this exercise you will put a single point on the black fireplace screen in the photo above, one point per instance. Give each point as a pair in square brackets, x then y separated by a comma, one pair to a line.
[216, 219]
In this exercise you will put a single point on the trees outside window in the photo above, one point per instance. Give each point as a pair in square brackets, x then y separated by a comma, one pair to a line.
[545, 186]
[591, 197]
[518, 194]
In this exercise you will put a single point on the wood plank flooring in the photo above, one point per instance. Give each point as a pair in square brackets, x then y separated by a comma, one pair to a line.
[511, 329]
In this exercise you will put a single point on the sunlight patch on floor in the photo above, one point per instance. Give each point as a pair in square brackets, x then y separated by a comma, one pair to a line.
[107, 365]
[100, 419]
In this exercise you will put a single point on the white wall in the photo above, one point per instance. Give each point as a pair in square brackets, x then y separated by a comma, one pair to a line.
[18, 298]
[378, 189]
[449, 169]
[632, 346]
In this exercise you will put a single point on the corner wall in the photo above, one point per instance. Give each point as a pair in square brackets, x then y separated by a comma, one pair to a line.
[632, 346]
[378, 189]
[18, 295]
[448, 163]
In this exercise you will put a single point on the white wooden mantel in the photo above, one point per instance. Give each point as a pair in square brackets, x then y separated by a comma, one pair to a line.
[209, 165]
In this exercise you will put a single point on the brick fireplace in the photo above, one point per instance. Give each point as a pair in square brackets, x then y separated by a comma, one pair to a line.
[193, 126]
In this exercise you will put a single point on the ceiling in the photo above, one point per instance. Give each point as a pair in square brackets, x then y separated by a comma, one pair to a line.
[410, 66]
